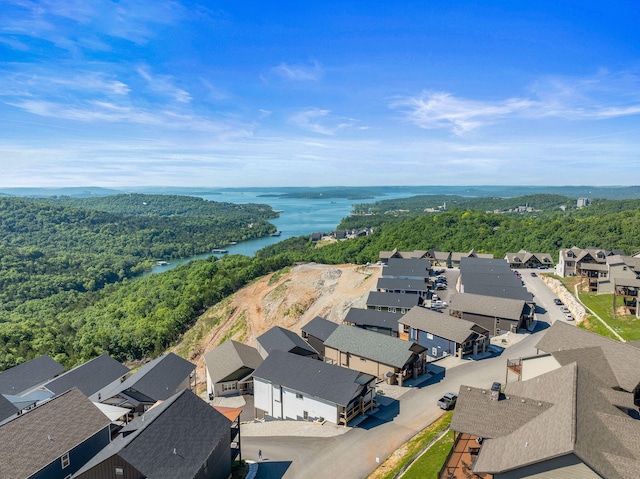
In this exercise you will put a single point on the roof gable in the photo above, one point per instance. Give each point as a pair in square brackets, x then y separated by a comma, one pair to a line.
[229, 357]
[36, 438]
[312, 377]
[385, 349]
[89, 377]
[440, 324]
[281, 339]
[320, 328]
[487, 305]
[25, 376]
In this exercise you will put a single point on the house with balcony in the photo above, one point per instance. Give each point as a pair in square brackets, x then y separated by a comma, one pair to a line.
[442, 334]
[289, 386]
[229, 368]
[526, 259]
[494, 314]
[393, 302]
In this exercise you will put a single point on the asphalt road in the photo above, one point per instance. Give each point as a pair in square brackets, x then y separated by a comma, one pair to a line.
[356, 453]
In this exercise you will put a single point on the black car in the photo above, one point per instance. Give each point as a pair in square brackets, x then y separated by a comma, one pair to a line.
[558, 302]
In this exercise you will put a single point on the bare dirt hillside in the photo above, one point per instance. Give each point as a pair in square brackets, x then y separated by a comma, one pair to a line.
[290, 299]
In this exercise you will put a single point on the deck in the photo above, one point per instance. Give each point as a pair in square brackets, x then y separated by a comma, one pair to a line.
[460, 462]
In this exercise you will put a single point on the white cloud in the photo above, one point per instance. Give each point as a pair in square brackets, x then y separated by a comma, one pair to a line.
[311, 72]
[599, 97]
[310, 119]
[163, 84]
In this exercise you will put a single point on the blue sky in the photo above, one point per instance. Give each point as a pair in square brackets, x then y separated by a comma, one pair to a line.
[245, 93]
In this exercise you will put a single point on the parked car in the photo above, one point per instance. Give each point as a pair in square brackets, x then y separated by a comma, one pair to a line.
[568, 317]
[533, 273]
[440, 286]
[544, 266]
[558, 302]
[564, 309]
[448, 401]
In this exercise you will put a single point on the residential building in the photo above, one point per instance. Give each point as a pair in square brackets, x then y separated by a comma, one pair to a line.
[457, 257]
[28, 376]
[565, 423]
[93, 378]
[586, 262]
[382, 322]
[316, 331]
[393, 302]
[407, 268]
[7, 409]
[526, 259]
[403, 286]
[491, 277]
[385, 357]
[54, 439]
[280, 339]
[155, 381]
[182, 437]
[442, 334]
[289, 386]
[229, 368]
[496, 315]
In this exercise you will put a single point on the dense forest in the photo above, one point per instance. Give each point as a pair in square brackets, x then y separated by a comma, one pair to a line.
[67, 265]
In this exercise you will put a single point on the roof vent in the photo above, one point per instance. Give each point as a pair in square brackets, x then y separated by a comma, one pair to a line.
[526, 444]
[539, 404]
[49, 437]
[484, 392]
[522, 400]
[174, 451]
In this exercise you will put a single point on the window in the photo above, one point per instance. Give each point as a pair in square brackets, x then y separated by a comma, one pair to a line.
[403, 311]
[429, 336]
[298, 396]
[65, 460]
[119, 471]
[363, 360]
[378, 308]
[229, 386]
[392, 309]
[434, 352]
[305, 415]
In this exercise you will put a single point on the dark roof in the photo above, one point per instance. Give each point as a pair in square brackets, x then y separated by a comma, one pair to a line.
[487, 305]
[28, 375]
[384, 349]
[312, 377]
[371, 317]
[623, 359]
[561, 412]
[393, 300]
[319, 328]
[173, 439]
[229, 357]
[7, 409]
[158, 379]
[402, 284]
[491, 277]
[37, 437]
[441, 325]
[403, 267]
[280, 339]
[89, 377]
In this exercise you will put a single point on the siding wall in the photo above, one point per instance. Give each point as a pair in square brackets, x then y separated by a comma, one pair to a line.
[442, 346]
[358, 363]
[106, 469]
[565, 467]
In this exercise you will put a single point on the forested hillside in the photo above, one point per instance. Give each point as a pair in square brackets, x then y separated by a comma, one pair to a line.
[137, 318]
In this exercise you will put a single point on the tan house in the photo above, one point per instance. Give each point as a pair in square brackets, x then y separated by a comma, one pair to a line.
[385, 357]
[526, 259]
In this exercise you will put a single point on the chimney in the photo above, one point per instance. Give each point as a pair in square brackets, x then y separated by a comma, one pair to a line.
[495, 391]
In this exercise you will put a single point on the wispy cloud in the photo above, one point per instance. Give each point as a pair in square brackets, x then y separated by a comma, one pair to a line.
[319, 121]
[163, 84]
[77, 24]
[600, 97]
[311, 72]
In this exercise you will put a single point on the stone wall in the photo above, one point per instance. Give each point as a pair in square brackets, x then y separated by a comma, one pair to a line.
[570, 301]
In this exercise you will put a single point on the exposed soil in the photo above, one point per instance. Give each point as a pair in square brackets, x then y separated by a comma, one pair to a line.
[288, 299]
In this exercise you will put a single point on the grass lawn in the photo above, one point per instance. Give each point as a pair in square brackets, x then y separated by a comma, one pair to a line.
[428, 465]
[399, 459]
[602, 304]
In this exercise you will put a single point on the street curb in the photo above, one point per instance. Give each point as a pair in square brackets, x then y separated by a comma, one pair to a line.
[253, 470]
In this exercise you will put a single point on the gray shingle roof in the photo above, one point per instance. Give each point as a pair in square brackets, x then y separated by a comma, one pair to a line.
[89, 377]
[280, 339]
[320, 328]
[384, 349]
[403, 267]
[487, 305]
[623, 359]
[491, 277]
[28, 375]
[312, 377]
[229, 357]
[371, 317]
[402, 284]
[442, 325]
[157, 379]
[393, 300]
[573, 416]
[68, 419]
[184, 423]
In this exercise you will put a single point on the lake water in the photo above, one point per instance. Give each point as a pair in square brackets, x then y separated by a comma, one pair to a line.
[298, 217]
